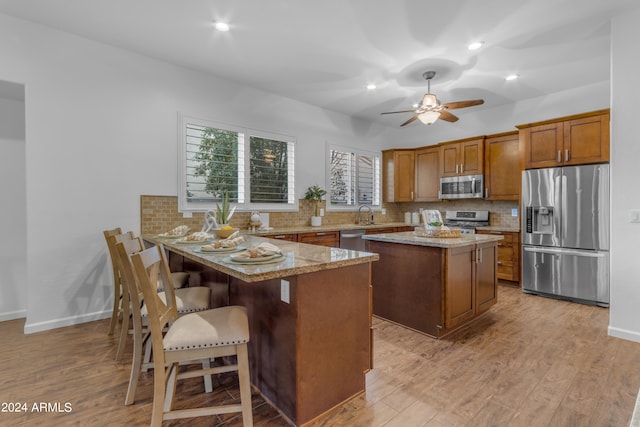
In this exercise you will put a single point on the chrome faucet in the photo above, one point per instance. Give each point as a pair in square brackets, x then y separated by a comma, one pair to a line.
[368, 220]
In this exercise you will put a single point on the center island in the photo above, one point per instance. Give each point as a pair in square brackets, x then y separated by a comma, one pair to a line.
[309, 319]
[433, 285]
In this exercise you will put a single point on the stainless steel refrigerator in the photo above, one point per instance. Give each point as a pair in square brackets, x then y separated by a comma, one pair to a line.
[565, 233]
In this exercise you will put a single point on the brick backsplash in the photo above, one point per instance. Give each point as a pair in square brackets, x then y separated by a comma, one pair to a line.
[160, 213]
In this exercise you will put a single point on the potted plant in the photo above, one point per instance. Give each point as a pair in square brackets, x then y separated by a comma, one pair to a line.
[315, 193]
[223, 213]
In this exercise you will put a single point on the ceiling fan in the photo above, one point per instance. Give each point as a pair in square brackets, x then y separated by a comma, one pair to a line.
[431, 109]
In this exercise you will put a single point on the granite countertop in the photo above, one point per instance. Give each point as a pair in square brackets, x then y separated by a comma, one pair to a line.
[409, 238]
[333, 227]
[505, 228]
[298, 258]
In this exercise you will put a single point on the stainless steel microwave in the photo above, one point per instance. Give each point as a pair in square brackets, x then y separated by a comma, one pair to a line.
[462, 187]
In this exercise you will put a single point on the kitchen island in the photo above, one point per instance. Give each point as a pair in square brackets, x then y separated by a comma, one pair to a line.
[309, 319]
[433, 285]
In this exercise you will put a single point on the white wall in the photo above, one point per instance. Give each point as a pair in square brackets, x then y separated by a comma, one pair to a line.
[625, 180]
[101, 129]
[13, 223]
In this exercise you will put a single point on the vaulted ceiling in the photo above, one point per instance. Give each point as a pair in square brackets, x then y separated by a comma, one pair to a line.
[326, 52]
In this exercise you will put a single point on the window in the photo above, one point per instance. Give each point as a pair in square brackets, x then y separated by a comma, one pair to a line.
[354, 179]
[255, 168]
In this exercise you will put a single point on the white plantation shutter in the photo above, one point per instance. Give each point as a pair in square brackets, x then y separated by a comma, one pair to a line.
[353, 179]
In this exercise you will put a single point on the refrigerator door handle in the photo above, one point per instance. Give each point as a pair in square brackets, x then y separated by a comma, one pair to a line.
[564, 252]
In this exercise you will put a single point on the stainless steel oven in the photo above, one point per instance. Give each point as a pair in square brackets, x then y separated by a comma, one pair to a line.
[466, 221]
[462, 187]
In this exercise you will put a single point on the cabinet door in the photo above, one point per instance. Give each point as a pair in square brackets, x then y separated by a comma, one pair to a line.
[542, 145]
[449, 160]
[586, 140]
[459, 298]
[471, 157]
[486, 256]
[398, 175]
[427, 184]
[503, 174]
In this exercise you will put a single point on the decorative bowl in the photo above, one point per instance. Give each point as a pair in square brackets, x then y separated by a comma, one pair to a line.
[223, 233]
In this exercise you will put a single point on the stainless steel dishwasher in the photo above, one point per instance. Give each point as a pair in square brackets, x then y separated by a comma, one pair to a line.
[352, 239]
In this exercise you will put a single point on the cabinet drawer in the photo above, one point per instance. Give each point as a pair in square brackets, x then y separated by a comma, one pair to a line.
[322, 238]
[505, 253]
[289, 237]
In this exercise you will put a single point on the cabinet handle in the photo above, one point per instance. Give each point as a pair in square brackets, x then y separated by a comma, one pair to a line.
[480, 250]
[559, 156]
[486, 192]
[461, 167]
[412, 195]
[566, 155]
[321, 234]
[278, 237]
[456, 168]
[499, 262]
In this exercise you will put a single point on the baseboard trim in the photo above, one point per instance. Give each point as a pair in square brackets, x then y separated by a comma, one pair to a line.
[13, 315]
[624, 334]
[635, 418]
[30, 328]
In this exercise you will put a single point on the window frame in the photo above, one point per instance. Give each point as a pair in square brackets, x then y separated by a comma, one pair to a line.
[185, 206]
[376, 156]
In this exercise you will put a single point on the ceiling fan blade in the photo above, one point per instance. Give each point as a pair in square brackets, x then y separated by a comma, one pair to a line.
[463, 104]
[447, 116]
[410, 120]
[403, 111]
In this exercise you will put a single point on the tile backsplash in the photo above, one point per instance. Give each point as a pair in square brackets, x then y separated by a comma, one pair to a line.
[160, 213]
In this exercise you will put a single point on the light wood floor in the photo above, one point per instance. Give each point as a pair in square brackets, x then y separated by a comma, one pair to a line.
[530, 361]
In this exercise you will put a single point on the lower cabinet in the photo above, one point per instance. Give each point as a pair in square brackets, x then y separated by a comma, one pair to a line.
[470, 283]
[290, 237]
[322, 238]
[508, 255]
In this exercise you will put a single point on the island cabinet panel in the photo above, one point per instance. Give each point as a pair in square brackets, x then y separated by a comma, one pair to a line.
[410, 292]
[316, 346]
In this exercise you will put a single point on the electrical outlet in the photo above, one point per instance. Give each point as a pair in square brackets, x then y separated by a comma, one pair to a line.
[384, 211]
[634, 215]
[187, 215]
[284, 291]
[514, 212]
[321, 211]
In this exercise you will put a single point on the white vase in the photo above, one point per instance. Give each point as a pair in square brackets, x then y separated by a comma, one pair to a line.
[316, 221]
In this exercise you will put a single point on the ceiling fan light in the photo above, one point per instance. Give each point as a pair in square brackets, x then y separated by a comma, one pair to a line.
[429, 101]
[429, 117]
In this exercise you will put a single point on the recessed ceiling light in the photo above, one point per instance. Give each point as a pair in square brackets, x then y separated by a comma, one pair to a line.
[221, 26]
[475, 45]
[371, 86]
[511, 77]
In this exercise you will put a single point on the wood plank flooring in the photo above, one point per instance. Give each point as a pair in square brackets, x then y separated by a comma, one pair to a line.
[530, 361]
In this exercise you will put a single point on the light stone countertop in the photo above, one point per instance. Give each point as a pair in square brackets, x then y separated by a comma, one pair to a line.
[299, 258]
[332, 227]
[409, 238]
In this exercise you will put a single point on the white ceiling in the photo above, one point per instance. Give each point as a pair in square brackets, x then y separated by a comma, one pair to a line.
[325, 52]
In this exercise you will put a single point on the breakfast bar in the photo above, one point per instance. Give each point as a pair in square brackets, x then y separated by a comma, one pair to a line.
[433, 285]
[309, 318]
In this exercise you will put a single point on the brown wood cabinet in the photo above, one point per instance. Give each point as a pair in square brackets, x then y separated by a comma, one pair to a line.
[322, 238]
[462, 157]
[508, 255]
[502, 167]
[571, 140]
[398, 175]
[290, 237]
[433, 290]
[470, 288]
[427, 174]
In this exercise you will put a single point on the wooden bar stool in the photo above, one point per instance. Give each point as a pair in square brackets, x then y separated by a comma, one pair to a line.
[109, 236]
[206, 334]
[188, 300]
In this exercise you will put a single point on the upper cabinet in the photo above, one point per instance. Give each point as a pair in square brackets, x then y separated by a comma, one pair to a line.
[462, 157]
[398, 175]
[502, 169]
[427, 173]
[573, 140]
